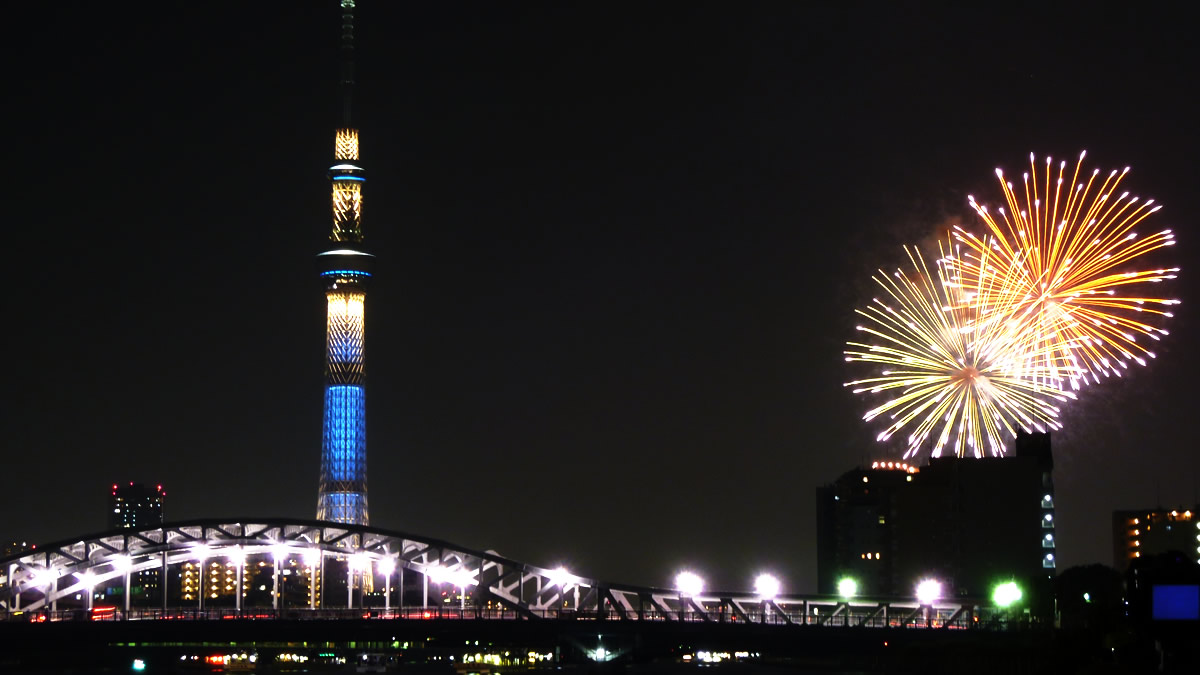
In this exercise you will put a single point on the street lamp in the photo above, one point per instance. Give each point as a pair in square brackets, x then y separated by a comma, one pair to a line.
[88, 579]
[929, 591]
[48, 578]
[458, 578]
[1006, 594]
[847, 588]
[123, 564]
[560, 577]
[386, 566]
[767, 587]
[43, 577]
[238, 558]
[279, 554]
[201, 552]
[312, 559]
[689, 584]
[359, 562]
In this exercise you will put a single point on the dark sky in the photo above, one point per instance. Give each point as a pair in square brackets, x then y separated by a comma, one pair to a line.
[619, 248]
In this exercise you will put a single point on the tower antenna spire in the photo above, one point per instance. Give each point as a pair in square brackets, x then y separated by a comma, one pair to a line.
[347, 77]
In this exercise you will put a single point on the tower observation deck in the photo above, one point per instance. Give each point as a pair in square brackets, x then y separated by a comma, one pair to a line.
[345, 269]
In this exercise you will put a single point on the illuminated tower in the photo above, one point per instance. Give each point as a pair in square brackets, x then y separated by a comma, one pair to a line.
[345, 269]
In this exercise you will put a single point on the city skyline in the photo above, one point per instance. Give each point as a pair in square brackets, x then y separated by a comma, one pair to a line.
[621, 250]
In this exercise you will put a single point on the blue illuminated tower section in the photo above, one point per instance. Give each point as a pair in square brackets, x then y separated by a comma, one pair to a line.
[345, 270]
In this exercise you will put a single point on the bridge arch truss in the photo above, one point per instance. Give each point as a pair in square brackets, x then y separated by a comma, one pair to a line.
[38, 579]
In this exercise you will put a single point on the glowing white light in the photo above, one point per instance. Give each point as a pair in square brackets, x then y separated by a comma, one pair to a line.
[439, 574]
[766, 586]
[86, 578]
[44, 577]
[201, 551]
[386, 566]
[122, 563]
[360, 562]
[1006, 594]
[279, 552]
[237, 556]
[559, 576]
[929, 591]
[436, 573]
[345, 251]
[689, 583]
[312, 557]
[847, 588]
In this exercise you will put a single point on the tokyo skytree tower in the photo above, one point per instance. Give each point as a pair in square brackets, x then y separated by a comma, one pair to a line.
[345, 269]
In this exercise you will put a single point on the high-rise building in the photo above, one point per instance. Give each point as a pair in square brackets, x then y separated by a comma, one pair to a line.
[1144, 532]
[971, 523]
[345, 269]
[135, 505]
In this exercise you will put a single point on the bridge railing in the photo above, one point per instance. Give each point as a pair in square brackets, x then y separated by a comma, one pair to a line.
[855, 616]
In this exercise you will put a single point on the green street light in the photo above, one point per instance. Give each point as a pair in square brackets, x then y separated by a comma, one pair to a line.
[847, 588]
[1006, 594]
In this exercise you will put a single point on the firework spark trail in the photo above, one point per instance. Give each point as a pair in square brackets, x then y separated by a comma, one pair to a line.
[1053, 269]
[950, 377]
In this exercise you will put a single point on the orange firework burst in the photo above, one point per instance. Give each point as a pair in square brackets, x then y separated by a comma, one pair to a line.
[1057, 271]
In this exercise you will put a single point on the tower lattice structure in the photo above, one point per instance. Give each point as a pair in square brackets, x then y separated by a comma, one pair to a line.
[345, 270]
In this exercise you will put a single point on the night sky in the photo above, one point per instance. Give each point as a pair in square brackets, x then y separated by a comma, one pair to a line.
[619, 248]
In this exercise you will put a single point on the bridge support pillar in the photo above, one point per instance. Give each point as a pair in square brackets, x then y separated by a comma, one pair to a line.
[127, 589]
[162, 578]
[237, 596]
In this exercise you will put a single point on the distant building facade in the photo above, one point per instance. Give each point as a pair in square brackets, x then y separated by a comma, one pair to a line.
[132, 506]
[971, 523]
[14, 547]
[135, 505]
[1146, 532]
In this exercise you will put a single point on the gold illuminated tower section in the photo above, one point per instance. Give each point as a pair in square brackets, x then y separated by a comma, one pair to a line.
[345, 270]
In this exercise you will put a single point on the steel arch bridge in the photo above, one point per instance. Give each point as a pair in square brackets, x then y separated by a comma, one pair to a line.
[36, 580]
